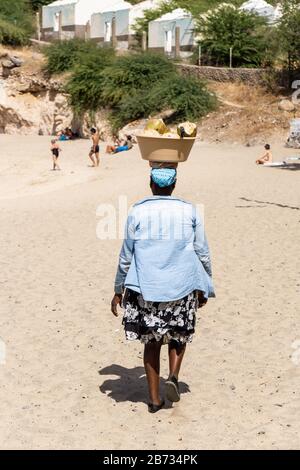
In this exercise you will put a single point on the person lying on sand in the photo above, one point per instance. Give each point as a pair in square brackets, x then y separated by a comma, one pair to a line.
[166, 279]
[112, 148]
[127, 145]
[95, 150]
[55, 150]
[267, 156]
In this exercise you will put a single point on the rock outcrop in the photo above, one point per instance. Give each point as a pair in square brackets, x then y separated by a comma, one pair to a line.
[287, 105]
[33, 104]
[30, 105]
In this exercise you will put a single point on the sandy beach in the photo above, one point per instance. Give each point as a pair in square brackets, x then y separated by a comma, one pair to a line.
[70, 380]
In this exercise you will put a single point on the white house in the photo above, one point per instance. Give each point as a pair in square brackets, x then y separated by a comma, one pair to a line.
[66, 19]
[162, 32]
[262, 8]
[123, 15]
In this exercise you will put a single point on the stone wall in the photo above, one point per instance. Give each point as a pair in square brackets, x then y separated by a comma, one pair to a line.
[222, 74]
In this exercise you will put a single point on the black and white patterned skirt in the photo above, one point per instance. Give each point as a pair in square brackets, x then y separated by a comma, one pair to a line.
[156, 321]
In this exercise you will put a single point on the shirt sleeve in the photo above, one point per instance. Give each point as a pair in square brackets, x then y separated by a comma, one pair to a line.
[201, 245]
[126, 256]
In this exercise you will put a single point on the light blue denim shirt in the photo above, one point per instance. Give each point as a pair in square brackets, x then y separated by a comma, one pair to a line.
[165, 255]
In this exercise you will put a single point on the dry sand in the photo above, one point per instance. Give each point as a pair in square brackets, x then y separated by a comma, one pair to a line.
[71, 381]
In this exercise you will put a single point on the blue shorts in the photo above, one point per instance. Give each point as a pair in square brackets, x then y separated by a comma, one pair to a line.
[122, 149]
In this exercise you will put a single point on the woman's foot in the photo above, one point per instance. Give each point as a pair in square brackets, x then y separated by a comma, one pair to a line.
[172, 390]
[155, 408]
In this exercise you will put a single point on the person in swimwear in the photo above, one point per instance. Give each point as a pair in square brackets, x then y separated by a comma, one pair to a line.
[267, 156]
[95, 150]
[55, 150]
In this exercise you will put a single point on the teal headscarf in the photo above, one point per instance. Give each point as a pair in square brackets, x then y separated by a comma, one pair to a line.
[164, 177]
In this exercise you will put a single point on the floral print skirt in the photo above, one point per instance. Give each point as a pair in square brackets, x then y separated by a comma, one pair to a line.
[156, 321]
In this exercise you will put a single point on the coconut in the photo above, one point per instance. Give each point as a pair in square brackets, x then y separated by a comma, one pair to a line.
[151, 133]
[187, 129]
[156, 125]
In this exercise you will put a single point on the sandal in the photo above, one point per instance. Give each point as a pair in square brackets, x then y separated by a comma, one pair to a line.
[172, 390]
[155, 408]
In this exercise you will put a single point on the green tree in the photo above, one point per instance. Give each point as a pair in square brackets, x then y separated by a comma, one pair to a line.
[288, 35]
[16, 21]
[227, 27]
[17, 12]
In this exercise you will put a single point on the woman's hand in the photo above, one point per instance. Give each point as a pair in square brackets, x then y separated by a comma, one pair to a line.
[117, 300]
[202, 301]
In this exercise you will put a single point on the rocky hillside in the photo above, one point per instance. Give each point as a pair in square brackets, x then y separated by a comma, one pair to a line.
[31, 103]
[248, 114]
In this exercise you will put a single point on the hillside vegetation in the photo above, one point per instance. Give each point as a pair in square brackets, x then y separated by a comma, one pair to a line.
[131, 87]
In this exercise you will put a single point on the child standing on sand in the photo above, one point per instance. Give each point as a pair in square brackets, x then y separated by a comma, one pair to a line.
[55, 150]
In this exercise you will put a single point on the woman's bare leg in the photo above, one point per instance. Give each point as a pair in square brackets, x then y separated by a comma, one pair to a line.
[176, 355]
[152, 368]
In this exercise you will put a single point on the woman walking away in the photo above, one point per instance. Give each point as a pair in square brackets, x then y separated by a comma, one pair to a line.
[164, 276]
[55, 150]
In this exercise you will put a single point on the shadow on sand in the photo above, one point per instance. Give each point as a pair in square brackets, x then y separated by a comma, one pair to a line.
[130, 384]
[289, 167]
[283, 206]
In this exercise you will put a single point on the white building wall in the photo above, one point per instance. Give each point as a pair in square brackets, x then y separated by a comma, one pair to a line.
[125, 14]
[97, 26]
[159, 30]
[105, 14]
[68, 15]
[122, 21]
[85, 8]
[137, 11]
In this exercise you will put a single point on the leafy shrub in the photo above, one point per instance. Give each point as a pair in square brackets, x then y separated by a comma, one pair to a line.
[132, 73]
[86, 83]
[187, 95]
[64, 55]
[134, 87]
[11, 35]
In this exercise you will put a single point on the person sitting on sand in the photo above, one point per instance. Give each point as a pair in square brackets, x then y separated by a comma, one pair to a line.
[267, 156]
[165, 271]
[95, 148]
[55, 150]
[62, 136]
[126, 145]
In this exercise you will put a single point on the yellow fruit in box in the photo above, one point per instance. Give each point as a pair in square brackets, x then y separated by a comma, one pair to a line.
[157, 125]
[151, 133]
[187, 129]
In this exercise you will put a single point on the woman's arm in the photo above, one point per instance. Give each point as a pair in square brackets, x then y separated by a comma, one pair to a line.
[125, 260]
[126, 255]
[201, 246]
